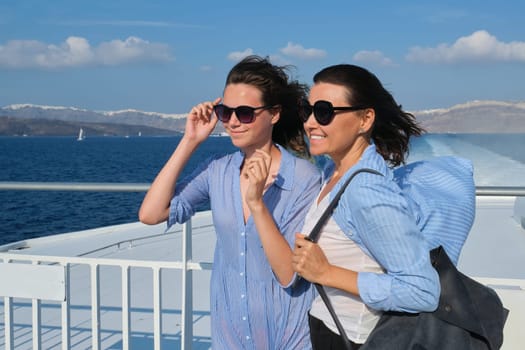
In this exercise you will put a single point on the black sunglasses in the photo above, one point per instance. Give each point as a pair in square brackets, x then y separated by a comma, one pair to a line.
[245, 114]
[323, 111]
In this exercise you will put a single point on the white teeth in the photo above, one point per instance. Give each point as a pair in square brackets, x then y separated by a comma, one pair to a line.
[316, 137]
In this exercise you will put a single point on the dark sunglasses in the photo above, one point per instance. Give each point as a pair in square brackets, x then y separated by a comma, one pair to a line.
[245, 114]
[323, 111]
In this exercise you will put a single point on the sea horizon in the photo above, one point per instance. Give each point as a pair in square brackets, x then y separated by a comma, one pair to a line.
[498, 161]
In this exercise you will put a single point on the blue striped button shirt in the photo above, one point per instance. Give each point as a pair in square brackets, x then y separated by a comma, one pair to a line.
[375, 214]
[249, 308]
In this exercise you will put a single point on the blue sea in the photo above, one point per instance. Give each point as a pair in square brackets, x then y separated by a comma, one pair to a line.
[499, 160]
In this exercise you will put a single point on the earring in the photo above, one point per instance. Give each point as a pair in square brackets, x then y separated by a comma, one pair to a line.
[361, 131]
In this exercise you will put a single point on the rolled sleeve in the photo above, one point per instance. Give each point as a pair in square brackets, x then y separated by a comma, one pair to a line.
[190, 193]
[378, 219]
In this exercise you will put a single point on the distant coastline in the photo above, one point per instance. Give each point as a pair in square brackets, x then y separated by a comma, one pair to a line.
[45, 127]
[471, 117]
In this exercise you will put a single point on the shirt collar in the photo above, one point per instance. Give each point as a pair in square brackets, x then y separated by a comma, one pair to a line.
[369, 159]
[285, 175]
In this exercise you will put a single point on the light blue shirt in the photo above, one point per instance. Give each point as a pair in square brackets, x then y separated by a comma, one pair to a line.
[441, 194]
[249, 308]
[375, 214]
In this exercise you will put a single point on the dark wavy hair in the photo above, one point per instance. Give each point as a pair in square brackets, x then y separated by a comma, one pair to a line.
[393, 127]
[278, 89]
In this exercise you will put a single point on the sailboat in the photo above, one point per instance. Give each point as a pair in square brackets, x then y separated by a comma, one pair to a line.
[81, 136]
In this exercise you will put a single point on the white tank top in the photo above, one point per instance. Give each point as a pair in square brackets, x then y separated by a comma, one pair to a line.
[357, 319]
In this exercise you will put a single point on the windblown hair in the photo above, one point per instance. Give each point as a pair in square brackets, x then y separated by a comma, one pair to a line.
[393, 127]
[278, 89]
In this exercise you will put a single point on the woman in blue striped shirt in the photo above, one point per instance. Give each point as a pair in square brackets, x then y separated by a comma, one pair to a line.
[258, 197]
[371, 255]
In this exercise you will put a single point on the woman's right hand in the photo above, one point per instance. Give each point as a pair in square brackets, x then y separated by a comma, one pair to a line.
[199, 123]
[309, 260]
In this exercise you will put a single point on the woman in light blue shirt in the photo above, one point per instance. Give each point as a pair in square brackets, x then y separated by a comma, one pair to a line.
[258, 198]
[371, 255]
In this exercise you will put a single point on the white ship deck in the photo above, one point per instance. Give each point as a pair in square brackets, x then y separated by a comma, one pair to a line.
[494, 254]
[128, 244]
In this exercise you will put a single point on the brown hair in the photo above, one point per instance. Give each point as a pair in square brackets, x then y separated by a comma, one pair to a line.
[278, 89]
[392, 127]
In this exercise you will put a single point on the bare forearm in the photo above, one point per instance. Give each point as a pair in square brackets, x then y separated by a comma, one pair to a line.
[155, 206]
[309, 261]
[340, 278]
[276, 248]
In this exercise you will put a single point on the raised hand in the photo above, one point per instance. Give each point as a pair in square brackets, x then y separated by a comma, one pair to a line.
[200, 122]
[256, 169]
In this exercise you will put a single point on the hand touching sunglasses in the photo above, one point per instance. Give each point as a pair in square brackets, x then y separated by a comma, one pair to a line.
[245, 114]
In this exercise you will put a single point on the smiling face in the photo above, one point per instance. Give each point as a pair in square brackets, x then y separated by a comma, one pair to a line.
[254, 135]
[345, 137]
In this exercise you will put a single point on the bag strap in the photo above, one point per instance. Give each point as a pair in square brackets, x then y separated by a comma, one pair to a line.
[316, 231]
[314, 237]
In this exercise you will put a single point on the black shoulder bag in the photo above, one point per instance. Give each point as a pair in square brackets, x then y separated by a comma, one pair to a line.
[470, 315]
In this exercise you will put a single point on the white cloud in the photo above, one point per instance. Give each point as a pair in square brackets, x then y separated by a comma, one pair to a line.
[133, 49]
[479, 46]
[76, 52]
[239, 55]
[374, 57]
[298, 51]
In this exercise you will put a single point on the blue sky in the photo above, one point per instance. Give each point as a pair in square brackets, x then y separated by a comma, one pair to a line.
[166, 56]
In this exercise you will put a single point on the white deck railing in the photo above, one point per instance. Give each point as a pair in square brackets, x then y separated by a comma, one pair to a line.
[60, 291]
[38, 264]
[58, 288]
[39, 290]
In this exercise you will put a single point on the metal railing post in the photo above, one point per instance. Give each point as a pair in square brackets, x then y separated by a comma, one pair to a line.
[66, 312]
[37, 321]
[187, 287]
[157, 308]
[126, 316]
[95, 306]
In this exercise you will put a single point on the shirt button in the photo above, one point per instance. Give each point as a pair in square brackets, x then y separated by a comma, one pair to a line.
[242, 253]
[242, 273]
[242, 233]
[247, 337]
[244, 318]
[242, 296]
